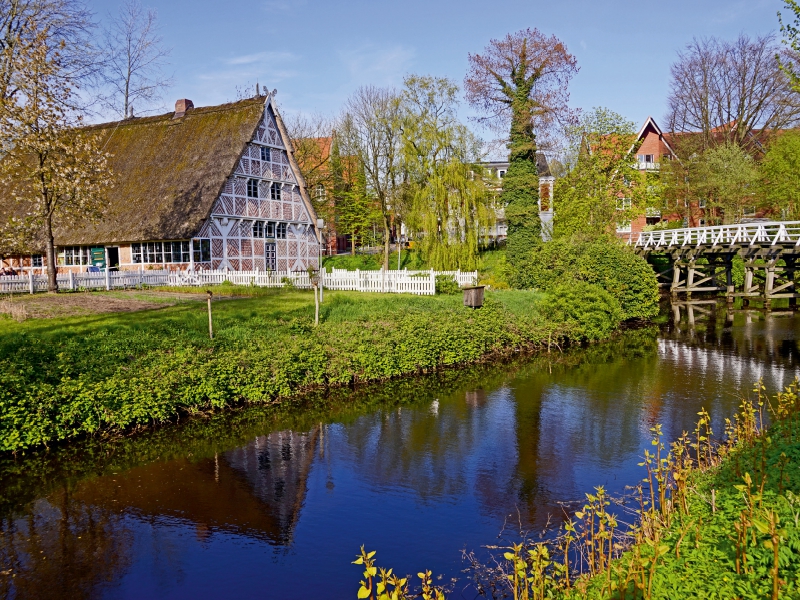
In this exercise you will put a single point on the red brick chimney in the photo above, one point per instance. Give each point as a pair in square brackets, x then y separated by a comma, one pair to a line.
[181, 106]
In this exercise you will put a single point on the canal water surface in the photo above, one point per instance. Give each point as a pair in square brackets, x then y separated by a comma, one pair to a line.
[275, 503]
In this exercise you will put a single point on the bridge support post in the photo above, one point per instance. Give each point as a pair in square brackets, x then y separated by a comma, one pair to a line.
[677, 267]
[729, 279]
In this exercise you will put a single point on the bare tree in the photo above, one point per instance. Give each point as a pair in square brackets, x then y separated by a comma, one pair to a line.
[731, 92]
[521, 81]
[63, 26]
[135, 56]
[371, 130]
[312, 139]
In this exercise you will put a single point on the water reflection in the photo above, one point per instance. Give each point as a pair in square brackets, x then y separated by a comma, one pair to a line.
[430, 468]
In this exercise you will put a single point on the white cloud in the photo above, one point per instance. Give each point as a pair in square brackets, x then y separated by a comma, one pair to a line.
[262, 57]
[369, 64]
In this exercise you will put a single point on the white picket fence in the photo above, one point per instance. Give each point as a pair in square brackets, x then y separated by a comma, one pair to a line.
[107, 280]
[422, 283]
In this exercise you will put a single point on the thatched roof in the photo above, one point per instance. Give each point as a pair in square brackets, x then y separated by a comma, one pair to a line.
[167, 171]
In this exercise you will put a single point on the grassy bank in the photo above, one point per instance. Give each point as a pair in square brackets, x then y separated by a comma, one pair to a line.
[64, 378]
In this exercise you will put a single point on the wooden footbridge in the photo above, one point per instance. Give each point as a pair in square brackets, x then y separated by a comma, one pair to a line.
[700, 259]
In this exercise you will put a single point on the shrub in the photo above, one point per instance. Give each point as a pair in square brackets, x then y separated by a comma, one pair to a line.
[580, 311]
[603, 262]
[445, 284]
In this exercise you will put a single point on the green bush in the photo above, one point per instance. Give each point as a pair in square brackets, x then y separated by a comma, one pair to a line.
[606, 263]
[445, 284]
[580, 311]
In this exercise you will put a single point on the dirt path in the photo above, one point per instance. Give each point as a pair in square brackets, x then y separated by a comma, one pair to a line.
[48, 306]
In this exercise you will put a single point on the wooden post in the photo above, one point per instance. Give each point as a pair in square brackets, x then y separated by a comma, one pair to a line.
[30, 280]
[676, 278]
[729, 278]
[210, 323]
[433, 283]
[108, 278]
[321, 281]
[72, 280]
[316, 305]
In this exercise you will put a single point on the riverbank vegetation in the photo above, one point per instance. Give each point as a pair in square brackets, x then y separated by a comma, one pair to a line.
[110, 373]
[712, 518]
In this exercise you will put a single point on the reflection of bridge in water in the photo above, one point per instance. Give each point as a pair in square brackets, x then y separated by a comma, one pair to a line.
[700, 259]
[739, 367]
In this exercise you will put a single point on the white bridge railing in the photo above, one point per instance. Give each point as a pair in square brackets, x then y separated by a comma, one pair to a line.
[409, 282]
[775, 233]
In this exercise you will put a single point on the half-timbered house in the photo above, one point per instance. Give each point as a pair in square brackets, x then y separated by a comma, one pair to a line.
[201, 188]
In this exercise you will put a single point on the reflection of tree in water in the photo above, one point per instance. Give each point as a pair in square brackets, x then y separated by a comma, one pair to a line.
[62, 549]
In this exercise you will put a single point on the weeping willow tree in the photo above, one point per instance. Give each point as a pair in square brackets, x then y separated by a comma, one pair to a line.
[445, 202]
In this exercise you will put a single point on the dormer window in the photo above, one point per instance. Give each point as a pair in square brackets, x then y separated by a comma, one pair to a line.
[252, 188]
[501, 173]
[275, 191]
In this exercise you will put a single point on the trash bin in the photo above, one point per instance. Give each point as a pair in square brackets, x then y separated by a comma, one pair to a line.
[473, 296]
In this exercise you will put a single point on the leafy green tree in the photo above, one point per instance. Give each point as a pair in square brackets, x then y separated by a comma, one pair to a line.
[354, 207]
[447, 202]
[780, 172]
[728, 179]
[602, 187]
[520, 82]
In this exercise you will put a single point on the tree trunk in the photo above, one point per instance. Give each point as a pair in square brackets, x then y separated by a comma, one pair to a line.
[52, 282]
[387, 237]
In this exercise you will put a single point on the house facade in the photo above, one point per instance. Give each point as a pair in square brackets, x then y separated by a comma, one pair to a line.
[201, 188]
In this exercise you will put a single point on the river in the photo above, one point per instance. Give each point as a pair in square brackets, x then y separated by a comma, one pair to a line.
[275, 503]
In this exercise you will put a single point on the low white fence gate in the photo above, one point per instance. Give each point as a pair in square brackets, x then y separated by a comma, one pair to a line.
[422, 283]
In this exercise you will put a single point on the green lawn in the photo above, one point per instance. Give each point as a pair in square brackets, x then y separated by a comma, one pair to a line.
[66, 376]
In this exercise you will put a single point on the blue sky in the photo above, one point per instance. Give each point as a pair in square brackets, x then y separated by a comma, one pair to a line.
[316, 53]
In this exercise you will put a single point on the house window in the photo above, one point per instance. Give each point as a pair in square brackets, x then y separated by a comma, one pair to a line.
[501, 174]
[263, 229]
[319, 192]
[270, 256]
[202, 251]
[702, 222]
[75, 256]
[281, 231]
[624, 227]
[275, 191]
[36, 260]
[160, 252]
[252, 188]
[701, 203]
[646, 158]
[264, 153]
[623, 203]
